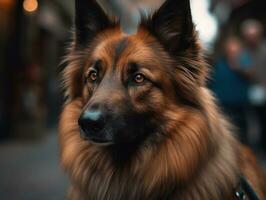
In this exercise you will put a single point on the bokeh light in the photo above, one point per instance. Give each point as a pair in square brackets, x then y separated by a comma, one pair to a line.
[30, 5]
[205, 22]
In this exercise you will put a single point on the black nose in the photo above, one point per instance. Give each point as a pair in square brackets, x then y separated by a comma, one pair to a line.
[91, 123]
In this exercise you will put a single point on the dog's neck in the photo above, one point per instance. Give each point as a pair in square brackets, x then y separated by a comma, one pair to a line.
[159, 176]
[214, 180]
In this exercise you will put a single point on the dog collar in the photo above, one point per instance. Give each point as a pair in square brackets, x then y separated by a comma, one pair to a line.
[244, 191]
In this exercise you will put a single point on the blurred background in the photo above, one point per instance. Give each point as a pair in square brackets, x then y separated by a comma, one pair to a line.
[33, 37]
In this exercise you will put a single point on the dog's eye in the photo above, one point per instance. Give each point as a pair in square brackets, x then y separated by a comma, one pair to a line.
[93, 76]
[139, 78]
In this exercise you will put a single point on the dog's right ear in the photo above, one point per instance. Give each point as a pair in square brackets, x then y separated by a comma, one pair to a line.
[89, 20]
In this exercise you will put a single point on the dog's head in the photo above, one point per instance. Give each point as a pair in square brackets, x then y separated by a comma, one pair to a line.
[128, 85]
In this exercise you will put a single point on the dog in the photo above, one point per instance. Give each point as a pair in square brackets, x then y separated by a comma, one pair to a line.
[139, 121]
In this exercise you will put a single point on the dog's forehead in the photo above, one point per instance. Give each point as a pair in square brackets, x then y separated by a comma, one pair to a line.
[120, 47]
[115, 47]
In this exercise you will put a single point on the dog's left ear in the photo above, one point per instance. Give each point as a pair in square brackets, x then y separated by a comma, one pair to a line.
[172, 25]
[89, 20]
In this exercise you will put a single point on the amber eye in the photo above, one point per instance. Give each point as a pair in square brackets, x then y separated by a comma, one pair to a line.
[139, 78]
[93, 76]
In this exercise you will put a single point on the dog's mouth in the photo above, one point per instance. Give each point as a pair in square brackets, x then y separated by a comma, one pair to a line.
[97, 140]
[115, 133]
[100, 142]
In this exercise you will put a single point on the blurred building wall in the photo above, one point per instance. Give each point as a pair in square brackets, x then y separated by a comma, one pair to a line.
[31, 47]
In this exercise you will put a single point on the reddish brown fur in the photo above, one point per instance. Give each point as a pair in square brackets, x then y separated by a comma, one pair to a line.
[195, 158]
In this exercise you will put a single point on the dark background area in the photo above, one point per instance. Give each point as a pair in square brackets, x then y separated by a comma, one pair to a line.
[33, 38]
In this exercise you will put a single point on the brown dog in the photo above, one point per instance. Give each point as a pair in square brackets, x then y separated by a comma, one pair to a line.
[139, 122]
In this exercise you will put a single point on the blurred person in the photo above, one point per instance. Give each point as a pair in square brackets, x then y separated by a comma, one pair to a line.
[252, 32]
[230, 83]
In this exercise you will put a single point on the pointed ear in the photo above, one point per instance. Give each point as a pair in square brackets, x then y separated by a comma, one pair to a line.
[172, 25]
[89, 20]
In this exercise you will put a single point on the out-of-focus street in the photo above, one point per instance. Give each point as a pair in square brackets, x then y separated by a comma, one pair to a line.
[34, 35]
[30, 170]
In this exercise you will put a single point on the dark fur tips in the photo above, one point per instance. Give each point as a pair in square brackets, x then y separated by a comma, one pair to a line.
[172, 24]
[89, 20]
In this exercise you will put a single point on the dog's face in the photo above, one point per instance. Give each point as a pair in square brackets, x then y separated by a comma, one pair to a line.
[129, 84]
[124, 88]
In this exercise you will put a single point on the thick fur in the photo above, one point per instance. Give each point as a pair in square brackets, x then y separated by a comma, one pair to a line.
[190, 153]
